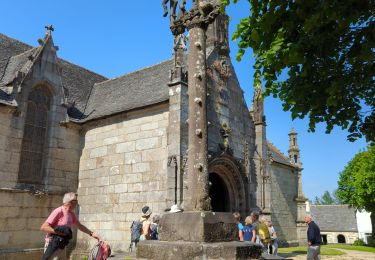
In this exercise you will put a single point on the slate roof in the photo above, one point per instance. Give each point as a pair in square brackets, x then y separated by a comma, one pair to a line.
[137, 89]
[277, 156]
[334, 218]
[76, 80]
[9, 47]
[91, 99]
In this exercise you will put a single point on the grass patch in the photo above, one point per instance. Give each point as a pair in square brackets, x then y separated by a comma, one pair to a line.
[351, 247]
[302, 250]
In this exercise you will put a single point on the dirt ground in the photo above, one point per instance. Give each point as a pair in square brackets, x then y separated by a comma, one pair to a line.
[349, 255]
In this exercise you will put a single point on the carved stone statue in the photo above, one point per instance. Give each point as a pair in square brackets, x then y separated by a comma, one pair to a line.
[173, 7]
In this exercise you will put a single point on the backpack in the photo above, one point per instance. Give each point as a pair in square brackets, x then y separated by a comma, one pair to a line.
[264, 233]
[101, 251]
[247, 232]
[154, 232]
[135, 233]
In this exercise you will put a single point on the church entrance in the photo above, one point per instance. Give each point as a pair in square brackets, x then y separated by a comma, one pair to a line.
[218, 194]
[227, 189]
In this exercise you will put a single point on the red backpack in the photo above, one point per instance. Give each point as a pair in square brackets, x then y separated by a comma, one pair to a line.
[101, 251]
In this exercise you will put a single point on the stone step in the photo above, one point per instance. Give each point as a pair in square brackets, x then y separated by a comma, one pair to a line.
[122, 256]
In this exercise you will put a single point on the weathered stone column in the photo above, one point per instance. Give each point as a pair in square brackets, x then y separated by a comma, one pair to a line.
[197, 155]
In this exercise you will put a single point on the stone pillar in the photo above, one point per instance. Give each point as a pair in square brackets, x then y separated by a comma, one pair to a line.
[197, 155]
[263, 199]
[177, 127]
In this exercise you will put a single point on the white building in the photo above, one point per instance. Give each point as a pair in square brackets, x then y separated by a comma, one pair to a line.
[364, 225]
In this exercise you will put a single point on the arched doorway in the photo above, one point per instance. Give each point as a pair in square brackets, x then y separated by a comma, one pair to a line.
[218, 194]
[341, 239]
[228, 191]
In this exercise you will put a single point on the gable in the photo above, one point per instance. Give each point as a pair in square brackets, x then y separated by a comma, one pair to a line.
[77, 81]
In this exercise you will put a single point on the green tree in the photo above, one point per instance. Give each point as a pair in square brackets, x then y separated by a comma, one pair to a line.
[356, 185]
[327, 199]
[327, 50]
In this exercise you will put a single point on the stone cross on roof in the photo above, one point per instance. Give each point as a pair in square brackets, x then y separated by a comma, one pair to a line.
[49, 28]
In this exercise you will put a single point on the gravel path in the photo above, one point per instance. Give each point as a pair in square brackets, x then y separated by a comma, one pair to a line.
[349, 255]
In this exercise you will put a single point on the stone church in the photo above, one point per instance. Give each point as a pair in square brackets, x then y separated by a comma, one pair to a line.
[122, 143]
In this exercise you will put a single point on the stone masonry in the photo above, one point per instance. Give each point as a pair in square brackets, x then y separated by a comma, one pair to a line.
[122, 168]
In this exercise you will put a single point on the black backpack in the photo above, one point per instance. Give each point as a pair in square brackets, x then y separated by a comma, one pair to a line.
[135, 233]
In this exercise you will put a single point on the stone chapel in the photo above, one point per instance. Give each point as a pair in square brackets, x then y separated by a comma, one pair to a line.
[121, 144]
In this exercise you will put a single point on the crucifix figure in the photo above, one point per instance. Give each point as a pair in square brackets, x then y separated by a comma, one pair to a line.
[173, 7]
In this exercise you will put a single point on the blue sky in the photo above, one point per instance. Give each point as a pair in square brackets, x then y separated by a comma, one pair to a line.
[115, 37]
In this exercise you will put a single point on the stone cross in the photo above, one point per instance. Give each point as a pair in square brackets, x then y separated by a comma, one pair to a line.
[49, 28]
[196, 21]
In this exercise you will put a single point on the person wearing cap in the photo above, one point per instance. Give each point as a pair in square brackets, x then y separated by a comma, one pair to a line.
[64, 216]
[146, 223]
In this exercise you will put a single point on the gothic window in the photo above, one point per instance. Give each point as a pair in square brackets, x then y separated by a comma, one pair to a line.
[34, 137]
[295, 158]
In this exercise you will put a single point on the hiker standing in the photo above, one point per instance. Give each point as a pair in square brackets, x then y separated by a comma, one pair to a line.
[274, 242]
[146, 223]
[313, 239]
[62, 218]
[249, 233]
[237, 217]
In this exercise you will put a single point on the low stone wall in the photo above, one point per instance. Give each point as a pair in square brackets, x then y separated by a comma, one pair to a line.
[350, 237]
[21, 215]
[21, 254]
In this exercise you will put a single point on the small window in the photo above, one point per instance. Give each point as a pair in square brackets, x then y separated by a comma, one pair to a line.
[34, 137]
[295, 158]
[294, 141]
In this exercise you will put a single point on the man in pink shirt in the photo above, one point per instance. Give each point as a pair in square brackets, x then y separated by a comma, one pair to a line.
[64, 216]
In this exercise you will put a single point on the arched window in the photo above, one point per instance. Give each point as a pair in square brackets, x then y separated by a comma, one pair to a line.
[295, 158]
[34, 136]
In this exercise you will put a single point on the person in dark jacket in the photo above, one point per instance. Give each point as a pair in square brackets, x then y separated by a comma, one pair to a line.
[314, 239]
[58, 242]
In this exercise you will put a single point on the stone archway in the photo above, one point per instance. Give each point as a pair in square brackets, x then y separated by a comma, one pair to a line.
[228, 191]
[341, 239]
[219, 194]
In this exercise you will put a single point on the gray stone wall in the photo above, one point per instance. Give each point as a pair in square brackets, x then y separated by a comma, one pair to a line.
[21, 215]
[123, 167]
[226, 105]
[284, 184]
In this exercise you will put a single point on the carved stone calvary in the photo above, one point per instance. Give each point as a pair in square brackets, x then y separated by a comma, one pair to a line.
[196, 21]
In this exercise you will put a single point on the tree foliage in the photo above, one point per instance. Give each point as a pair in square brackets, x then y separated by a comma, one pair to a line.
[327, 199]
[356, 185]
[327, 50]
